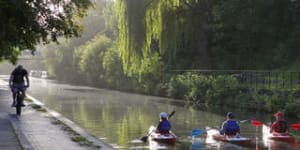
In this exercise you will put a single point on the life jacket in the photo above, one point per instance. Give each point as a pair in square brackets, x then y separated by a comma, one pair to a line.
[281, 127]
[231, 127]
[164, 126]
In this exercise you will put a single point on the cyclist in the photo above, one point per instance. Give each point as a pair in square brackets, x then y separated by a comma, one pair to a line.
[17, 83]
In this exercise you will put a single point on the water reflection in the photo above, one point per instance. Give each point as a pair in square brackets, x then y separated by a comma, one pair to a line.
[120, 117]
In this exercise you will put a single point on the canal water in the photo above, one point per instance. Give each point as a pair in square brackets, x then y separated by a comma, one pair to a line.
[119, 118]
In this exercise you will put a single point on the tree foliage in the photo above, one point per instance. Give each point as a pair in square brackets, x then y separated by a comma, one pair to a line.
[26, 23]
[176, 30]
[247, 33]
[202, 34]
[131, 32]
[91, 58]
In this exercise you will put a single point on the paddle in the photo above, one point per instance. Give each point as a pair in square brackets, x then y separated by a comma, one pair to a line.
[295, 127]
[145, 138]
[256, 123]
[198, 132]
[243, 121]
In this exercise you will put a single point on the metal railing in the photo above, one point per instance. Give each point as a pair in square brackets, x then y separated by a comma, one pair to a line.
[257, 78]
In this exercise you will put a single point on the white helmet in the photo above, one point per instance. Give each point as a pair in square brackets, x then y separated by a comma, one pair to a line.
[163, 115]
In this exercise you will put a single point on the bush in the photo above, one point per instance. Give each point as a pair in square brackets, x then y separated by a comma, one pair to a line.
[244, 100]
[204, 89]
[177, 87]
[223, 90]
[226, 90]
[198, 86]
[292, 110]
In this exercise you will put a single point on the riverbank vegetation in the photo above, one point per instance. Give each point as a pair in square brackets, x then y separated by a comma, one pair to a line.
[147, 46]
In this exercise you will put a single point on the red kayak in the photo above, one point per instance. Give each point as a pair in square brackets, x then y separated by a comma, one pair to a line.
[231, 139]
[276, 136]
[169, 138]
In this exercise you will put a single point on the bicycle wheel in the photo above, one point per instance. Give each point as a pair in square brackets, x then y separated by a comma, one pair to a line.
[19, 104]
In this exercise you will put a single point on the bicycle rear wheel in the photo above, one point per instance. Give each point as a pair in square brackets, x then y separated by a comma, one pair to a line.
[19, 104]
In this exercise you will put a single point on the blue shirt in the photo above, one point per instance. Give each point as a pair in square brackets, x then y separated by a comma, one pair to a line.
[230, 127]
[164, 126]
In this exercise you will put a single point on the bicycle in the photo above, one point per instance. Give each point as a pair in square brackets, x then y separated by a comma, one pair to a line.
[19, 101]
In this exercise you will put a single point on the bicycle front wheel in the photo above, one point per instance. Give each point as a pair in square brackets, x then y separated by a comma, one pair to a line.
[19, 105]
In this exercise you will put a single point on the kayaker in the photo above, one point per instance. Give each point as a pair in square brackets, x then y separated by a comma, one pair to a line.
[230, 127]
[280, 126]
[164, 125]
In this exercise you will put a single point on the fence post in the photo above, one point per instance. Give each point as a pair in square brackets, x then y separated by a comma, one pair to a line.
[298, 77]
[283, 80]
[291, 80]
[263, 79]
[251, 84]
[269, 79]
[255, 80]
[276, 80]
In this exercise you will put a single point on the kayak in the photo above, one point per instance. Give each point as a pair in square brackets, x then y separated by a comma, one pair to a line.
[278, 137]
[169, 138]
[231, 139]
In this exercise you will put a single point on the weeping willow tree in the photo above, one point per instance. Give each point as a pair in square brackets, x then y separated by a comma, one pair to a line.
[131, 31]
[181, 28]
[175, 32]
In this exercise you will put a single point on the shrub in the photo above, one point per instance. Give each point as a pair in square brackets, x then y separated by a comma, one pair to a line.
[198, 86]
[223, 90]
[177, 87]
[292, 110]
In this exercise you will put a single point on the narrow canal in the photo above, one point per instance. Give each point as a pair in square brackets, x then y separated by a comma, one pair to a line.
[118, 117]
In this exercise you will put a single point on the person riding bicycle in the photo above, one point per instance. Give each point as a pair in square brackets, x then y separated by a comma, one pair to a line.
[17, 83]
[230, 127]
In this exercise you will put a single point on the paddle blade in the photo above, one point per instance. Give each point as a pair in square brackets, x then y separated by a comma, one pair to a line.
[256, 123]
[243, 121]
[198, 132]
[171, 114]
[144, 138]
[295, 126]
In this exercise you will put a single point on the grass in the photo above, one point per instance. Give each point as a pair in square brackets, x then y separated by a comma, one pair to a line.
[38, 108]
[78, 139]
[75, 137]
[35, 106]
[56, 122]
[42, 110]
[28, 99]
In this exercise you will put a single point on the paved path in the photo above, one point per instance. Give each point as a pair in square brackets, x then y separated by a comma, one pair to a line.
[33, 129]
[8, 138]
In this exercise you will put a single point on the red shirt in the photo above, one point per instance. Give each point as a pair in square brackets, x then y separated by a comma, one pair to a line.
[279, 126]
